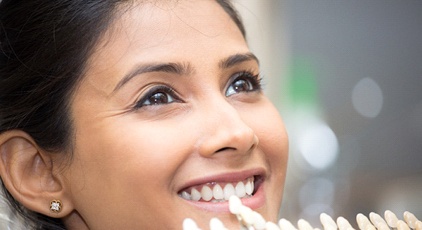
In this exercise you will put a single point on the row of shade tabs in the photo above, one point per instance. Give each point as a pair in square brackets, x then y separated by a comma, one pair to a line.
[251, 220]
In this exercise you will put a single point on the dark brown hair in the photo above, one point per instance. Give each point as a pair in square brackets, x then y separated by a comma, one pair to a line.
[44, 46]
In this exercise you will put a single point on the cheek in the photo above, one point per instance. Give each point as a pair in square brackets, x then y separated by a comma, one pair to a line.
[131, 154]
[273, 139]
[274, 143]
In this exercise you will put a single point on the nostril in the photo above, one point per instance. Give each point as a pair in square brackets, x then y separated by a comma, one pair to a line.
[225, 148]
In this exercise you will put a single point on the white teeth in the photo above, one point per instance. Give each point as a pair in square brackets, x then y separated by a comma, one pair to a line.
[186, 195]
[206, 193]
[228, 191]
[249, 187]
[240, 189]
[195, 194]
[218, 192]
[214, 192]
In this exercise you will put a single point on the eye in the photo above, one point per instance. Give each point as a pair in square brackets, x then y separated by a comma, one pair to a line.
[244, 82]
[159, 95]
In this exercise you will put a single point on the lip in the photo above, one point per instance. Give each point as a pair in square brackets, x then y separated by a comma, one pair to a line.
[254, 202]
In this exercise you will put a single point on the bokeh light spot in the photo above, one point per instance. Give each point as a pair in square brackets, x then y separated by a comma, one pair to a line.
[367, 98]
[319, 146]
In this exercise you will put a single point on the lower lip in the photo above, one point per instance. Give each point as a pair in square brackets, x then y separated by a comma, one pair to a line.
[254, 202]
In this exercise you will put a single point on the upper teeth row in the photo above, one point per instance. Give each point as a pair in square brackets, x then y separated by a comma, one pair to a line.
[218, 193]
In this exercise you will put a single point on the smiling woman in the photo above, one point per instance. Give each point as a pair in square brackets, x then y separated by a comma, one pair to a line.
[126, 114]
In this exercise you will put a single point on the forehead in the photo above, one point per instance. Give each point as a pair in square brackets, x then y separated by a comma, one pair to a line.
[146, 25]
[165, 31]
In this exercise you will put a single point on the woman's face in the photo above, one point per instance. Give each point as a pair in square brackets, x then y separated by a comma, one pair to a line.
[169, 110]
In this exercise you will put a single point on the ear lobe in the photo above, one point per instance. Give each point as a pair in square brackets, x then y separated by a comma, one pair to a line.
[27, 172]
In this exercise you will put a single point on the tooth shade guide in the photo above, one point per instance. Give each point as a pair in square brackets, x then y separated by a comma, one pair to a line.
[327, 222]
[271, 226]
[189, 224]
[391, 218]
[401, 225]
[343, 224]
[418, 225]
[286, 225]
[378, 222]
[216, 224]
[364, 223]
[410, 219]
[251, 220]
[235, 205]
[304, 225]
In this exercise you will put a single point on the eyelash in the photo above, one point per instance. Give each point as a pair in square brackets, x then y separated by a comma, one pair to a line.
[254, 81]
[168, 92]
[253, 85]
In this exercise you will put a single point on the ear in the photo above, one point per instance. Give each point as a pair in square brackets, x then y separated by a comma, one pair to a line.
[31, 174]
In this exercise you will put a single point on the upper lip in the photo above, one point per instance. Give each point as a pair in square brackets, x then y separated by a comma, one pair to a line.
[224, 177]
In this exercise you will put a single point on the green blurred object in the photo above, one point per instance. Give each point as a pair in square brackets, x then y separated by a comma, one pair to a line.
[303, 85]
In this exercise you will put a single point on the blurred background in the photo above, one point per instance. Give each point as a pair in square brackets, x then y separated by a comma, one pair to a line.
[347, 79]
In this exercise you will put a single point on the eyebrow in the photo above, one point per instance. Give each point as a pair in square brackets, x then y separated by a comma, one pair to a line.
[176, 68]
[237, 59]
[182, 68]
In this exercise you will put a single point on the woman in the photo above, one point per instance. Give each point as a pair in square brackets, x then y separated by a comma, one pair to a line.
[134, 115]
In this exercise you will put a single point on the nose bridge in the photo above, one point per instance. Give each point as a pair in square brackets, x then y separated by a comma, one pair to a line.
[225, 130]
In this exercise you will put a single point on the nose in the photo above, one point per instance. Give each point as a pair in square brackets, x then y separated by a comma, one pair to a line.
[224, 132]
